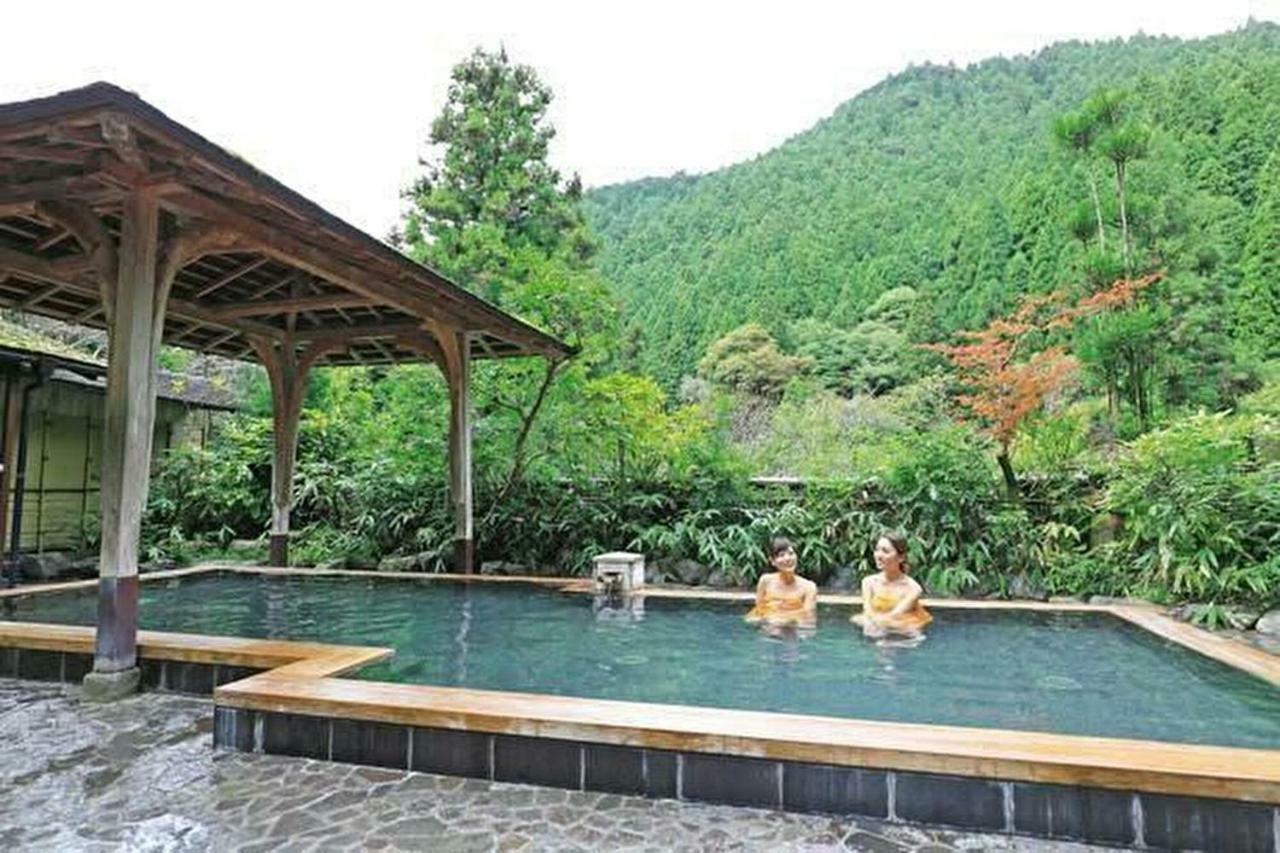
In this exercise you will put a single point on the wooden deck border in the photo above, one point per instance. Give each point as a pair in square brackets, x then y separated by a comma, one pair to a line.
[1130, 765]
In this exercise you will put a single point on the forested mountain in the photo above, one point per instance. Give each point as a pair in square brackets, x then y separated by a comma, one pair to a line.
[950, 181]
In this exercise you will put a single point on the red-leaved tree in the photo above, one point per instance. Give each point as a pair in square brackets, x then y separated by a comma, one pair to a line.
[1004, 383]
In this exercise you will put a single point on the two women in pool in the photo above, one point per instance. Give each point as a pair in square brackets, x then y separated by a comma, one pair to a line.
[890, 598]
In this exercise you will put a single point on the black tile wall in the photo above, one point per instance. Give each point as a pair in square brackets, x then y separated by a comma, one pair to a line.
[233, 728]
[184, 677]
[614, 769]
[8, 662]
[1054, 811]
[295, 734]
[76, 666]
[730, 779]
[151, 673]
[364, 742]
[835, 790]
[1192, 823]
[1060, 811]
[661, 772]
[453, 753]
[39, 665]
[952, 800]
[225, 674]
[537, 761]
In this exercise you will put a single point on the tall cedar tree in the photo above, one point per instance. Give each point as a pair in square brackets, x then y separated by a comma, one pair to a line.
[490, 194]
[492, 213]
[1258, 302]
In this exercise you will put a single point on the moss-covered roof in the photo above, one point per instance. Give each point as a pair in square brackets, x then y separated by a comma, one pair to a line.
[20, 337]
[192, 390]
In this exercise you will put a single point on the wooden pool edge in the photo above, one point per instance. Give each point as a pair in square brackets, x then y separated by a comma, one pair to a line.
[1251, 775]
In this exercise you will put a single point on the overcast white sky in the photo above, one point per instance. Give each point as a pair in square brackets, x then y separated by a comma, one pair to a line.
[336, 99]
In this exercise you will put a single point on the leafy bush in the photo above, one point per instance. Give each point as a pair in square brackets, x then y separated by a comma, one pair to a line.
[1201, 513]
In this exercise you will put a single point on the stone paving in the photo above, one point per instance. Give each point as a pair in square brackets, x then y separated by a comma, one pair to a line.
[141, 774]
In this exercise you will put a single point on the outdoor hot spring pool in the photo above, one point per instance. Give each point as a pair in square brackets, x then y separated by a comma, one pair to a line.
[1069, 673]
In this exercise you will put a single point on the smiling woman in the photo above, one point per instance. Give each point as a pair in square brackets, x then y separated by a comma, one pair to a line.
[891, 599]
[782, 596]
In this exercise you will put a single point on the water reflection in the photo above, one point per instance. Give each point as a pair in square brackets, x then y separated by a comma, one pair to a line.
[618, 608]
[460, 640]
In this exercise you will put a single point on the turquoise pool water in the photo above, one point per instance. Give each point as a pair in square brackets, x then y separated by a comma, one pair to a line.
[1068, 673]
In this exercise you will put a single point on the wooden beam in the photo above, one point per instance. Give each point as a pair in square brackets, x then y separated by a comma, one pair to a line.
[382, 348]
[424, 344]
[19, 231]
[88, 314]
[366, 332]
[43, 155]
[36, 298]
[86, 187]
[294, 304]
[286, 280]
[55, 272]
[236, 273]
[84, 135]
[276, 241]
[21, 208]
[52, 272]
[99, 247]
[219, 341]
[53, 239]
[185, 333]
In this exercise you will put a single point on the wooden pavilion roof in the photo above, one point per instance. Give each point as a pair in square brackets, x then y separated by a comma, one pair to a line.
[272, 265]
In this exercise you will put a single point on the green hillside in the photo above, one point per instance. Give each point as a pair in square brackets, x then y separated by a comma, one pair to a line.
[949, 180]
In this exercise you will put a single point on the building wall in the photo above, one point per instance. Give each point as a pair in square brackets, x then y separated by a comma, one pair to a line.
[64, 442]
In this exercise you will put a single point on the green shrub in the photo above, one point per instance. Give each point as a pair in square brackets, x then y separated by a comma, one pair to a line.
[1201, 514]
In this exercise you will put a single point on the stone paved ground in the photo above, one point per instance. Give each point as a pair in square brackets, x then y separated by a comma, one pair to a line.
[142, 775]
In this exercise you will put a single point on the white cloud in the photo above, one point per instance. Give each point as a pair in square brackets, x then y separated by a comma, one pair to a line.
[336, 99]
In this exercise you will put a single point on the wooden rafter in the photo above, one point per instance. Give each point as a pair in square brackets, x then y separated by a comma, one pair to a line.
[223, 281]
[58, 235]
[43, 155]
[296, 252]
[53, 189]
[36, 298]
[219, 341]
[293, 304]
[53, 272]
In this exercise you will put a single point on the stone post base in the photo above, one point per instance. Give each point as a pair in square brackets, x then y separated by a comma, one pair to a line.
[278, 553]
[110, 686]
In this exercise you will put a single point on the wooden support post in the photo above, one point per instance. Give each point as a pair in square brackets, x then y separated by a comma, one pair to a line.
[454, 359]
[287, 371]
[9, 453]
[138, 309]
[460, 458]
